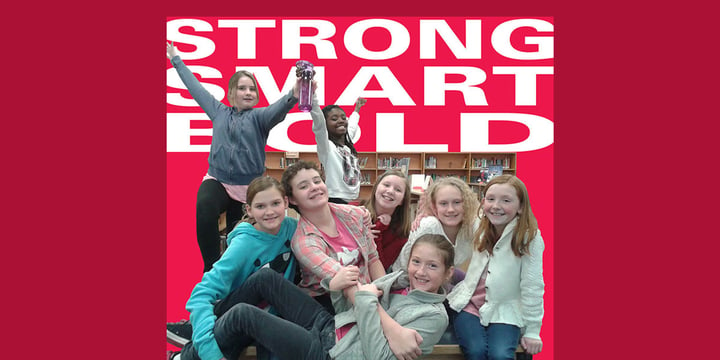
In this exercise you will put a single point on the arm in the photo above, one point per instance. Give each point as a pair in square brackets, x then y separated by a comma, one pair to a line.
[215, 285]
[203, 98]
[354, 120]
[531, 294]
[319, 128]
[274, 113]
[426, 329]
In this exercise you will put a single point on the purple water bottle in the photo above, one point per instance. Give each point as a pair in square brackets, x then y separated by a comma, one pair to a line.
[306, 93]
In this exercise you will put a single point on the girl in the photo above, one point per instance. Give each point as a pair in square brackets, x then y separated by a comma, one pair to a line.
[306, 330]
[389, 207]
[262, 240]
[451, 208]
[237, 152]
[502, 294]
[329, 236]
[334, 134]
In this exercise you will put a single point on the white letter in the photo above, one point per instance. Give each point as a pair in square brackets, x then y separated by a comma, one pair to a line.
[435, 86]
[472, 50]
[246, 35]
[399, 39]
[269, 86]
[391, 138]
[391, 87]
[501, 40]
[179, 132]
[291, 38]
[279, 138]
[525, 83]
[205, 46]
[173, 79]
[474, 132]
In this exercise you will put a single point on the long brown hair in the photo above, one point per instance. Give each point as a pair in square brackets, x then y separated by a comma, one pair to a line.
[486, 236]
[401, 220]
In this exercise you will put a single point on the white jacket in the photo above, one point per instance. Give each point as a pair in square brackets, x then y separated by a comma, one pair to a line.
[514, 285]
[431, 225]
[342, 181]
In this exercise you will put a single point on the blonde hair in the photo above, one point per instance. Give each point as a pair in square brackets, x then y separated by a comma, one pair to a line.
[486, 236]
[470, 203]
[257, 185]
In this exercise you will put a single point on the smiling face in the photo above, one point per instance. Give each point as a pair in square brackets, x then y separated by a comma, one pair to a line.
[308, 190]
[389, 194]
[245, 94]
[336, 122]
[449, 206]
[500, 205]
[427, 270]
[268, 210]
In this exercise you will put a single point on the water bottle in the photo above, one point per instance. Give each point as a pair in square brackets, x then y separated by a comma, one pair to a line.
[306, 93]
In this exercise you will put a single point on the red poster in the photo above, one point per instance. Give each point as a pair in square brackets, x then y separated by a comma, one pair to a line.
[433, 84]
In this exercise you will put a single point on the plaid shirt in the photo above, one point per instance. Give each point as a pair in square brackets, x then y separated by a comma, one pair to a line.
[318, 259]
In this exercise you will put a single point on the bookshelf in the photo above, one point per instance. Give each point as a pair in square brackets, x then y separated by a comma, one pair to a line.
[472, 167]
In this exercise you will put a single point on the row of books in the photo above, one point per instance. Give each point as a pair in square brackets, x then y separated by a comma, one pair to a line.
[487, 162]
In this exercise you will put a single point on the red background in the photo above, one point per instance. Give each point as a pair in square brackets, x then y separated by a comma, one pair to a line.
[423, 124]
[84, 262]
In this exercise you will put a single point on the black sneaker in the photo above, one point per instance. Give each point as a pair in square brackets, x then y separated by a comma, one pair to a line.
[179, 333]
[170, 355]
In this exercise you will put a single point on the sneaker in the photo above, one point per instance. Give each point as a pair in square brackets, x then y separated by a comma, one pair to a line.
[179, 333]
[170, 355]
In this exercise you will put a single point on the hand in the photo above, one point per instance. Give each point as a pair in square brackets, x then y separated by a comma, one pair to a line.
[374, 234]
[384, 218]
[360, 102]
[346, 277]
[421, 211]
[405, 343]
[171, 50]
[371, 288]
[531, 346]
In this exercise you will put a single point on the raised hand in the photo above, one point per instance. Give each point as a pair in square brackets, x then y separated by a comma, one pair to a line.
[171, 50]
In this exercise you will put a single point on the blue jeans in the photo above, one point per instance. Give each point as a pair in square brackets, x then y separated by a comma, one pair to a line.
[303, 328]
[477, 342]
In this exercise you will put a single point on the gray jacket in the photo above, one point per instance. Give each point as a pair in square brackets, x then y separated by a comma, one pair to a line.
[237, 151]
[418, 310]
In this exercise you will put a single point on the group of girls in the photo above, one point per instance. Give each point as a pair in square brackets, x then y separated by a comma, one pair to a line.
[345, 304]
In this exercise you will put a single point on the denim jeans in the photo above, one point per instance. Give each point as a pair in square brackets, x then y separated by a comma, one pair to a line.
[303, 329]
[477, 342]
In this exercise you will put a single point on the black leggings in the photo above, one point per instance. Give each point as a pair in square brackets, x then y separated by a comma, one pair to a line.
[213, 200]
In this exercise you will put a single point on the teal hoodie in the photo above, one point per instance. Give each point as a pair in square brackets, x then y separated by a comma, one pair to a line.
[248, 251]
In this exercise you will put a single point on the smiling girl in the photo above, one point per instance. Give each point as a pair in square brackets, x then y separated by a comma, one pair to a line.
[389, 207]
[501, 297]
[261, 240]
[451, 208]
[304, 329]
[237, 152]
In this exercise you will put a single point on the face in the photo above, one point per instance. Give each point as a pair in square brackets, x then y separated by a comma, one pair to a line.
[449, 205]
[268, 210]
[390, 193]
[309, 190]
[426, 268]
[336, 122]
[246, 94]
[500, 205]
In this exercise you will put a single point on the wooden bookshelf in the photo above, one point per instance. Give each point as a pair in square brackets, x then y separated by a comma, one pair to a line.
[471, 167]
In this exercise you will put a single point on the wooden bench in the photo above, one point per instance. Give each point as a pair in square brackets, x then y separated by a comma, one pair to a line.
[440, 352]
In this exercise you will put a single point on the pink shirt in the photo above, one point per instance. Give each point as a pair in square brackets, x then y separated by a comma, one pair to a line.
[478, 298]
[344, 245]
